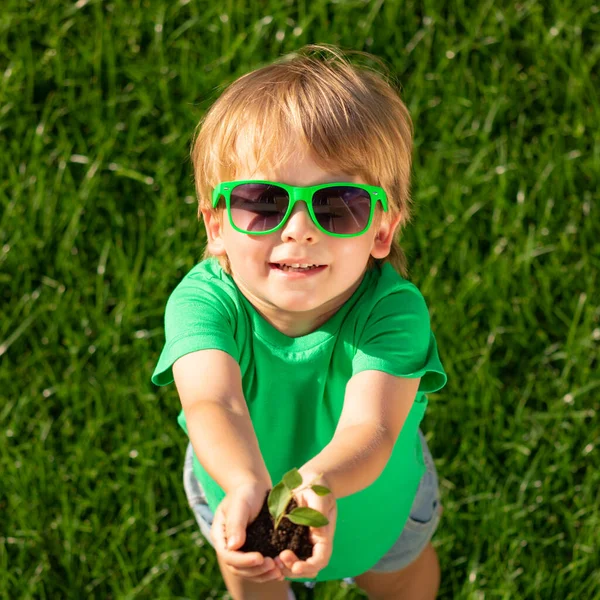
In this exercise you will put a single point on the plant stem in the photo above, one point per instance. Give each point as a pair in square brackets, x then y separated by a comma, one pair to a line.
[278, 520]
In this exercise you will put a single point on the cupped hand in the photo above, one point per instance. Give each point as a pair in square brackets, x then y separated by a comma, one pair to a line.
[321, 537]
[233, 515]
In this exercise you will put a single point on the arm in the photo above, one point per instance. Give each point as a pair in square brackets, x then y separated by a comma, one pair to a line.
[209, 384]
[221, 432]
[376, 405]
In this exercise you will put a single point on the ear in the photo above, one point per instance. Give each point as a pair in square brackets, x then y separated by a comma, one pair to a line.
[213, 223]
[384, 237]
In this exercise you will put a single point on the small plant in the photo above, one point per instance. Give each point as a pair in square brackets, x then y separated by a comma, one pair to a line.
[281, 495]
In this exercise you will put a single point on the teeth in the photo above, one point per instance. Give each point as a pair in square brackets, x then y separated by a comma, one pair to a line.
[295, 266]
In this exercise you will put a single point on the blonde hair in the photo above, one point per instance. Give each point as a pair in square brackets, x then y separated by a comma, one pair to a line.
[350, 117]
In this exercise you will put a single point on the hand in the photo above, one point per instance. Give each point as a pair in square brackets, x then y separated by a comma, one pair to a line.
[235, 512]
[322, 537]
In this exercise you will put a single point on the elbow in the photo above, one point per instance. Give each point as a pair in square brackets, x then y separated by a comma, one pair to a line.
[388, 442]
[230, 405]
[379, 446]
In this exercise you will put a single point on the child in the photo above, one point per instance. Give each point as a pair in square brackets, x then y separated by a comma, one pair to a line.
[297, 342]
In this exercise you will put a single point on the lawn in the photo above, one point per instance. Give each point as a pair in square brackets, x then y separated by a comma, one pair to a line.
[98, 101]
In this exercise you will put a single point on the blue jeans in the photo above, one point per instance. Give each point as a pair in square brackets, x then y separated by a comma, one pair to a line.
[419, 529]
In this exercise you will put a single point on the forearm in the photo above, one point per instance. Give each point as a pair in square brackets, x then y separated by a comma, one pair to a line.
[353, 459]
[226, 445]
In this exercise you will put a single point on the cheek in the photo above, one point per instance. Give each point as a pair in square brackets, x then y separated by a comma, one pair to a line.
[355, 252]
[245, 250]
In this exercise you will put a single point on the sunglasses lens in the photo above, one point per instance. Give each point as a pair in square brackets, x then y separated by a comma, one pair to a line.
[257, 207]
[342, 209]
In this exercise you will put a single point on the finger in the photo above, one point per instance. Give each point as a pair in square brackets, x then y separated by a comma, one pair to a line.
[313, 563]
[285, 572]
[322, 544]
[233, 558]
[304, 570]
[219, 535]
[217, 531]
[242, 560]
[288, 558]
[322, 537]
[235, 526]
[267, 571]
[319, 556]
[272, 575]
[319, 559]
[294, 567]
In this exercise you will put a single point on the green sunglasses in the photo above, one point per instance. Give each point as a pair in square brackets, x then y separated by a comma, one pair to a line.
[262, 207]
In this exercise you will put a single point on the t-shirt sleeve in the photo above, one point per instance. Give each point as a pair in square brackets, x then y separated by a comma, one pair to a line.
[398, 340]
[199, 316]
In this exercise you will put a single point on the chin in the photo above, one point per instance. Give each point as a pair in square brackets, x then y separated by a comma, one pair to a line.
[296, 306]
[292, 303]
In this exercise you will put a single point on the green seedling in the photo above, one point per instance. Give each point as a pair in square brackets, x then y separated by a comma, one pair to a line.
[281, 495]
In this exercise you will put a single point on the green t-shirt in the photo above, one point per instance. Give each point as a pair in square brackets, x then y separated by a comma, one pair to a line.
[294, 388]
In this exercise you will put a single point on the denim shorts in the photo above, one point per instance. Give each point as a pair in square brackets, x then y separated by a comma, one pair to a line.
[418, 531]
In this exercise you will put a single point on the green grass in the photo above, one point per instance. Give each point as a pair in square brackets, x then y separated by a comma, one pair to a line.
[98, 101]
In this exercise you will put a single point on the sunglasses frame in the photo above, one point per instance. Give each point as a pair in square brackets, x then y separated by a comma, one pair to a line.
[299, 194]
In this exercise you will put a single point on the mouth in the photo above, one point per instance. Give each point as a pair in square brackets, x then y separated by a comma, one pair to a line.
[296, 267]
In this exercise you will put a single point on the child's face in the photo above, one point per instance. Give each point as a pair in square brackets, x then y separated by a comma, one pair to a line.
[297, 301]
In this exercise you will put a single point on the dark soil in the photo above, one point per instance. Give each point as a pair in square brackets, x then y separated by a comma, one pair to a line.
[260, 536]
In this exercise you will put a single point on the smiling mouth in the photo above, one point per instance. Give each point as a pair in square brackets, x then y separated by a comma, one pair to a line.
[296, 267]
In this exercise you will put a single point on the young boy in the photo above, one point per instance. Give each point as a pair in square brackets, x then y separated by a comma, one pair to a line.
[298, 342]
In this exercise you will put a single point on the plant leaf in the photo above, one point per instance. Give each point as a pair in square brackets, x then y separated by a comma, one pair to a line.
[279, 498]
[307, 516]
[320, 490]
[292, 479]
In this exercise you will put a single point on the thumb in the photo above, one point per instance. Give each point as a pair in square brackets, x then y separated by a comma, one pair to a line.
[237, 520]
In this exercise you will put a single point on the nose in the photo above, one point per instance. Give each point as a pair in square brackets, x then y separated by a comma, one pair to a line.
[299, 226]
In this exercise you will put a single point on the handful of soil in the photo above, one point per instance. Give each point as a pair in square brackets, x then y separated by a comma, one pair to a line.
[262, 537]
